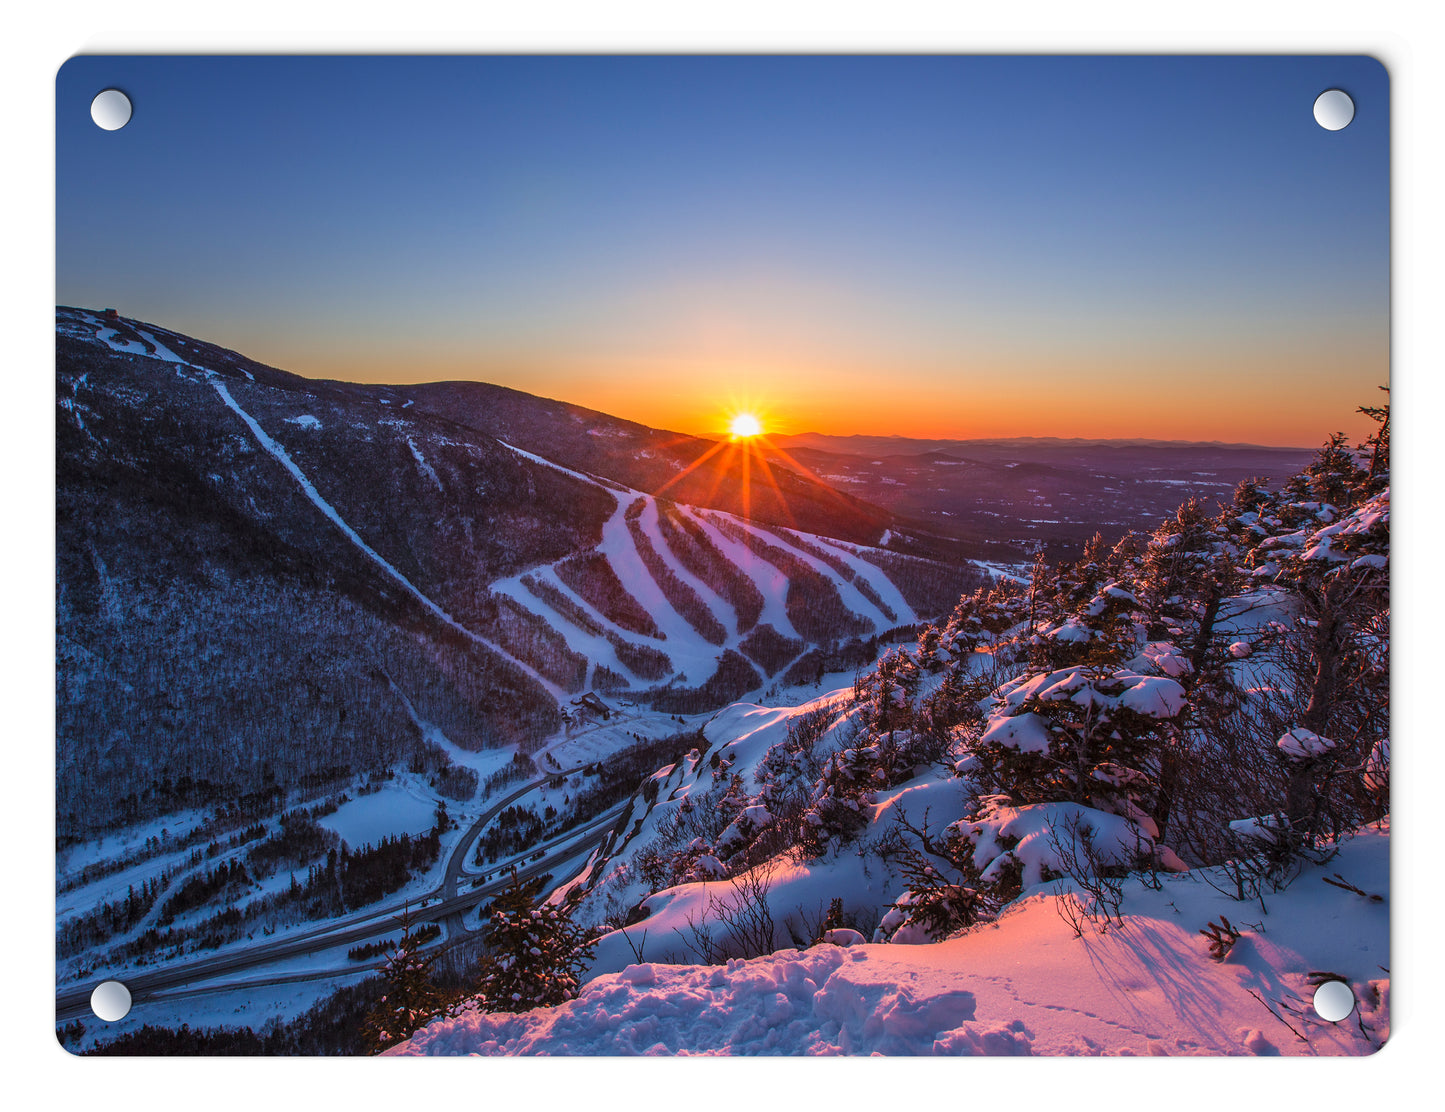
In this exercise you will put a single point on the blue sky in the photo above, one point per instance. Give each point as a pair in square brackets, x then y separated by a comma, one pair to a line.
[924, 245]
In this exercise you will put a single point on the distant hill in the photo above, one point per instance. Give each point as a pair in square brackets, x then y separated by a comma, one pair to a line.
[859, 445]
[699, 472]
[1001, 497]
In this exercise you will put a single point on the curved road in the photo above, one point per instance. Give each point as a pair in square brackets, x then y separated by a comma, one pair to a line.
[444, 905]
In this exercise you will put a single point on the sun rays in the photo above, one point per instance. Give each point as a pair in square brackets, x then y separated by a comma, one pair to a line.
[746, 449]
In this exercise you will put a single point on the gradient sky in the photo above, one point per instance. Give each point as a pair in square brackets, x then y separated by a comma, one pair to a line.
[930, 246]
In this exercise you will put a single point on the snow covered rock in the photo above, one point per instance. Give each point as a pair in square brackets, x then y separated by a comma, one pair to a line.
[843, 936]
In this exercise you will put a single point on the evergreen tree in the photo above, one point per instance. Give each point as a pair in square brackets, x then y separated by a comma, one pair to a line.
[1186, 571]
[1335, 474]
[1307, 751]
[1043, 589]
[1080, 581]
[410, 1000]
[835, 919]
[983, 616]
[1341, 579]
[887, 691]
[947, 890]
[1123, 558]
[929, 643]
[1244, 521]
[536, 953]
[839, 801]
[1377, 446]
[1085, 735]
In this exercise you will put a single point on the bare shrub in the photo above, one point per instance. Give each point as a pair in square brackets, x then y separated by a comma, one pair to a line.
[1070, 909]
[1079, 857]
[745, 914]
[738, 924]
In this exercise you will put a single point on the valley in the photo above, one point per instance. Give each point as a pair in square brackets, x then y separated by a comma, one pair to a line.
[1003, 498]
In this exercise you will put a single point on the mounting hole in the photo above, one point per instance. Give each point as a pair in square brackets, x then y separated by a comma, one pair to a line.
[1334, 109]
[110, 1001]
[110, 109]
[1334, 1001]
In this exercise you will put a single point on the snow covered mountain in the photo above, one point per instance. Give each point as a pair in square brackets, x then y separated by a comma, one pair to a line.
[1136, 810]
[266, 581]
[685, 469]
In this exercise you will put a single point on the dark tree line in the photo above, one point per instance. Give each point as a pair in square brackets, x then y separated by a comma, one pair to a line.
[203, 887]
[929, 587]
[733, 678]
[680, 596]
[769, 649]
[692, 546]
[349, 879]
[591, 575]
[813, 604]
[514, 829]
[335, 1025]
[109, 919]
[841, 566]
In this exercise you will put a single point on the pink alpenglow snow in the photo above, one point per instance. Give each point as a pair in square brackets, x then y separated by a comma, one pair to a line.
[1150, 988]
[1166, 657]
[1030, 836]
[1027, 732]
[1154, 696]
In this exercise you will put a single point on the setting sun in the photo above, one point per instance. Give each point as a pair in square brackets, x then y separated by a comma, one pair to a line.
[745, 425]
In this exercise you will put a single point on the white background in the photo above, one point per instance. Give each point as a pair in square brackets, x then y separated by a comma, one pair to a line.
[39, 1074]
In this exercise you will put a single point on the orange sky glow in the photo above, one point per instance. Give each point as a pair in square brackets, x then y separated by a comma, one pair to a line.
[1224, 396]
[834, 242]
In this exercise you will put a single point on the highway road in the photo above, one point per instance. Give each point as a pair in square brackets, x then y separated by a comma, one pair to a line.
[444, 904]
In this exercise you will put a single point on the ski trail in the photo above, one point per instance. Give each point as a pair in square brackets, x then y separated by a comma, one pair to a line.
[874, 576]
[854, 600]
[687, 649]
[281, 456]
[108, 336]
[163, 354]
[595, 647]
[568, 471]
[166, 355]
[422, 463]
[768, 579]
[721, 609]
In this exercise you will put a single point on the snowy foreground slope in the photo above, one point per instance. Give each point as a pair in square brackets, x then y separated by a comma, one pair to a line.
[1025, 984]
